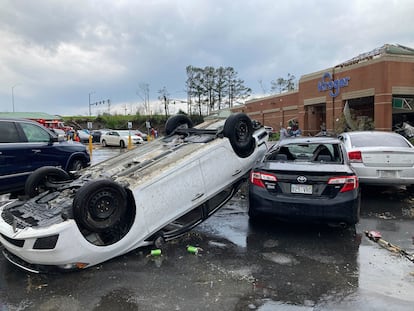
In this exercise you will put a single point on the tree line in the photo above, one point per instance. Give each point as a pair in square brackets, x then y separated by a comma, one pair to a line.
[210, 89]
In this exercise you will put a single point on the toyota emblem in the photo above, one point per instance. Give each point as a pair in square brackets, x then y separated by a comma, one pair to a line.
[301, 179]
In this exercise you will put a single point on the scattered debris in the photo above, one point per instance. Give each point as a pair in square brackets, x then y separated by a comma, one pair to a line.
[386, 215]
[193, 249]
[156, 252]
[377, 237]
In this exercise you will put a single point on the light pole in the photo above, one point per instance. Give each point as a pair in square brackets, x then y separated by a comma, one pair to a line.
[90, 102]
[13, 95]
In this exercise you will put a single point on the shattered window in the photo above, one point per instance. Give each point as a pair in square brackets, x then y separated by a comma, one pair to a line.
[319, 152]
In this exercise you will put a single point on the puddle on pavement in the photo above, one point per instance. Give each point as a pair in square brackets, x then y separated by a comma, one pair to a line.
[292, 268]
[104, 153]
[118, 299]
[270, 305]
[303, 267]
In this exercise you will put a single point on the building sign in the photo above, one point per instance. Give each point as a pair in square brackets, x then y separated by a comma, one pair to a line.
[327, 83]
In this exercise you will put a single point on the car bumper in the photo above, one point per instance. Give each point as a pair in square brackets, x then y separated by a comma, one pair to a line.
[342, 209]
[384, 176]
[60, 246]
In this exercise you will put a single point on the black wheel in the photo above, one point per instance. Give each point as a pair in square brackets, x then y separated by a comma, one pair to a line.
[43, 179]
[159, 242]
[76, 165]
[99, 205]
[103, 142]
[239, 130]
[176, 122]
[122, 144]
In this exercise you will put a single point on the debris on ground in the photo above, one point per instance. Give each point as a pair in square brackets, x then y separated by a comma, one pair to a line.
[377, 237]
[155, 252]
[193, 249]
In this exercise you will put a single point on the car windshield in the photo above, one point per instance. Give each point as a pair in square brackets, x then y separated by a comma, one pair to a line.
[378, 140]
[319, 152]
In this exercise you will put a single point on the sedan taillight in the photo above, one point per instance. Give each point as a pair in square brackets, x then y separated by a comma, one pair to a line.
[355, 156]
[259, 178]
[349, 182]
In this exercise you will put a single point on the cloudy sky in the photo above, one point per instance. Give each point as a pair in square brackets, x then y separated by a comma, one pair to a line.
[55, 54]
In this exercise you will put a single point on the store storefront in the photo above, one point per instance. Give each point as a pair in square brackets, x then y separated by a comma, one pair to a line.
[373, 90]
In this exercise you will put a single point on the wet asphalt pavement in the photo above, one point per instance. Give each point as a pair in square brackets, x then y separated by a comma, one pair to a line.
[243, 266]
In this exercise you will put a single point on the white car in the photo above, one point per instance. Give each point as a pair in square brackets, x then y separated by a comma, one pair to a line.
[381, 158]
[147, 195]
[120, 138]
[140, 134]
[83, 135]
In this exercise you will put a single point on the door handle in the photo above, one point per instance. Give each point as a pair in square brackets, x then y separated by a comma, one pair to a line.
[197, 196]
[36, 150]
[237, 172]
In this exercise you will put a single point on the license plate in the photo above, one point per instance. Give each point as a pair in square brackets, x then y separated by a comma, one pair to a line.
[388, 174]
[303, 189]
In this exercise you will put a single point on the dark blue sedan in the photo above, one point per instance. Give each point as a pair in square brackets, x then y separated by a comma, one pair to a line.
[27, 145]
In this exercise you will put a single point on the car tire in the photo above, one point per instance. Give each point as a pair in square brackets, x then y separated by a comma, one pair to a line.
[253, 215]
[177, 121]
[37, 182]
[76, 165]
[103, 142]
[121, 144]
[99, 205]
[239, 130]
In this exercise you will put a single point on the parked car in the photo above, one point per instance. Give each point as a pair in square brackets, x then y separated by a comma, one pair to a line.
[120, 138]
[380, 158]
[83, 135]
[306, 179]
[96, 135]
[141, 134]
[61, 134]
[144, 196]
[26, 146]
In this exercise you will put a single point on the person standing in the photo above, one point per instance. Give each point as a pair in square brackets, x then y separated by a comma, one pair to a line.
[283, 133]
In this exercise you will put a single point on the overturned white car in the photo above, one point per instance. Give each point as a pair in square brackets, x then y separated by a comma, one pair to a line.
[148, 195]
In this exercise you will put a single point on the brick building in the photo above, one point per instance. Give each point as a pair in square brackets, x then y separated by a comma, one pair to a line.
[373, 90]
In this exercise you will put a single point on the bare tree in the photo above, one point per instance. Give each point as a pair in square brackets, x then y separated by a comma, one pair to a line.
[221, 85]
[264, 91]
[143, 93]
[290, 82]
[283, 85]
[164, 97]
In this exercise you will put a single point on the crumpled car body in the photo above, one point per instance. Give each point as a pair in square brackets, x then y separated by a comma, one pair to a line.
[148, 195]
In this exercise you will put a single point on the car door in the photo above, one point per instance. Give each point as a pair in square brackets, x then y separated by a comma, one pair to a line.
[171, 194]
[113, 138]
[220, 167]
[40, 148]
[14, 154]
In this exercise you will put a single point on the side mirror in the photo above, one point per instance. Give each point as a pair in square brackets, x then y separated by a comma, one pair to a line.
[55, 139]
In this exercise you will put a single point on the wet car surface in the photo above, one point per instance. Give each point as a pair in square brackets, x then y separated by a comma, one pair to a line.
[241, 266]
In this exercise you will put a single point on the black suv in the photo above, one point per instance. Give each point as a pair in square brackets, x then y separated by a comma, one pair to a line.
[27, 145]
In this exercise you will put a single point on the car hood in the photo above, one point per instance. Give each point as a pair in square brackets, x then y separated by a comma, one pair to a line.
[72, 145]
